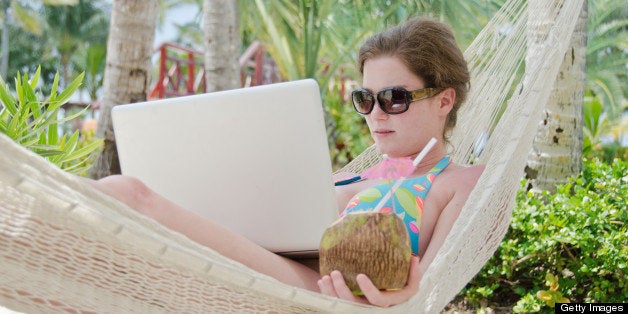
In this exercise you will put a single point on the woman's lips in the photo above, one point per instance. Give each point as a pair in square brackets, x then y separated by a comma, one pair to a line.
[383, 132]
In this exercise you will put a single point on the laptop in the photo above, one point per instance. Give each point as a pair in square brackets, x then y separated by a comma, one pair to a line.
[255, 160]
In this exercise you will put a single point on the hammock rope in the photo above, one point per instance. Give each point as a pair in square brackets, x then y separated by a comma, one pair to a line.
[67, 247]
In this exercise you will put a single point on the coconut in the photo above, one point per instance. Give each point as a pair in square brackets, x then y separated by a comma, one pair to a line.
[371, 243]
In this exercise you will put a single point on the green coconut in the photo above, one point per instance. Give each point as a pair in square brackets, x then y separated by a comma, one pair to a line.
[371, 243]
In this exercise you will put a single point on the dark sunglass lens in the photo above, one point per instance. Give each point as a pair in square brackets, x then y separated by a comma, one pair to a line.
[393, 100]
[384, 97]
[362, 101]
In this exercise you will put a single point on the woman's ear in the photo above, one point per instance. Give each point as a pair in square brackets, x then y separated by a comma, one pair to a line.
[447, 98]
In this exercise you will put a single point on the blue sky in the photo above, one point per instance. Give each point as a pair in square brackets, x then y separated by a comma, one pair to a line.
[179, 15]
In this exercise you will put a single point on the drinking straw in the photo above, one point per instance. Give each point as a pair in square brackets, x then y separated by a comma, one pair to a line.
[415, 163]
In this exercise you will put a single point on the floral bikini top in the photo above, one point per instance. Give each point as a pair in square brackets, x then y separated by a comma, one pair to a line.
[407, 202]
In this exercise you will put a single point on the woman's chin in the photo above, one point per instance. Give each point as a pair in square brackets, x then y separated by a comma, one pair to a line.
[392, 153]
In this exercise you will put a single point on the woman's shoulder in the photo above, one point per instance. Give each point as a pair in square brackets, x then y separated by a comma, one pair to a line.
[460, 177]
[454, 185]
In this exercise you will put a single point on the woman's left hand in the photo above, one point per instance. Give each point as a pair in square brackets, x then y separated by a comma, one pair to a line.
[334, 285]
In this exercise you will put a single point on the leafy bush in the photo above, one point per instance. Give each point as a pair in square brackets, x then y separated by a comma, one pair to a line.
[572, 244]
[33, 121]
[348, 133]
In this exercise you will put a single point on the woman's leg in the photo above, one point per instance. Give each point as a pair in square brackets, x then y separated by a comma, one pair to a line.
[206, 232]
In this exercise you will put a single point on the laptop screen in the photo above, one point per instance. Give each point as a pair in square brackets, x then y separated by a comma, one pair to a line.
[256, 159]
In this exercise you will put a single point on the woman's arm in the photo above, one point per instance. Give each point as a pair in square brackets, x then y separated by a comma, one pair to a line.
[462, 183]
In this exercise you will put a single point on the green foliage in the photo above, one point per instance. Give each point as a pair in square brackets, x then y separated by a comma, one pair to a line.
[597, 124]
[51, 34]
[320, 38]
[607, 59]
[306, 38]
[91, 59]
[348, 134]
[552, 295]
[574, 241]
[26, 54]
[32, 120]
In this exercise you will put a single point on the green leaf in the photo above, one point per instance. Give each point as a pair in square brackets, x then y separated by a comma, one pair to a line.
[53, 90]
[43, 121]
[19, 89]
[370, 195]
[406, 199]
[45, 150]
[16, 123]
[43, 140]
[74, 115]
[71, 144]
[82, 153]
[53, 133]
[33, 82]
[70, 89]
[8, 101]
[29, 19]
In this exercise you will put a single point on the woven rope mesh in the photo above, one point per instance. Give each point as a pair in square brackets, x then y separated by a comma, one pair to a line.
[59, 255]
[67, 248]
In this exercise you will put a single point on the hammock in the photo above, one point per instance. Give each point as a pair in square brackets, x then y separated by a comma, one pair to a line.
[67, 247]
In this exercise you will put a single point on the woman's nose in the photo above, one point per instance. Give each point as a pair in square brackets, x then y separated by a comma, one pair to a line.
[377, 112]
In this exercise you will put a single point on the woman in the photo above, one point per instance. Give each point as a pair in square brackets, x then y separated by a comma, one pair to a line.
[414, 80]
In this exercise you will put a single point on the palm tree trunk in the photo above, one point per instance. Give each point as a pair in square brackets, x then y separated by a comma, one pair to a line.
[129, 50]
[222, 44]
[557, 148]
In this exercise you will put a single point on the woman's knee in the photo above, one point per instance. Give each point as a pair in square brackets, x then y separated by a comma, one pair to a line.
[127, 189]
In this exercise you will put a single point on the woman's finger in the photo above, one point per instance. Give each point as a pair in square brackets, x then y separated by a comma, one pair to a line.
[388, 298]
[341, 287]
[415, 276]
[326, 286]
[372, 294]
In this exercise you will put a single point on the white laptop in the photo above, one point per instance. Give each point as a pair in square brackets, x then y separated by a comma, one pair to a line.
[255, 159]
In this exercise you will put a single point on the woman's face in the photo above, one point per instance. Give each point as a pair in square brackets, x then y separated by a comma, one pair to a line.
[404, 134]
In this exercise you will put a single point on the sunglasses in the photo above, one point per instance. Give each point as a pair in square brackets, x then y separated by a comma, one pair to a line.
[392, 100]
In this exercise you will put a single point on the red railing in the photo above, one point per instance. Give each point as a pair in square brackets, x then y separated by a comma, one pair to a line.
[182, 71]
[256, 67]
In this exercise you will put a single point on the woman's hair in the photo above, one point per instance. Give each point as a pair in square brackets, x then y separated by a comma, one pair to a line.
[428, 48]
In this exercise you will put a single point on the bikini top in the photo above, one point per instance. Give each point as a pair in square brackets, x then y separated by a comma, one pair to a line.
[407, 202]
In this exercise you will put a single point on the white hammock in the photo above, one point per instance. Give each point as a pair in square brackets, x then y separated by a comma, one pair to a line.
[67, 247]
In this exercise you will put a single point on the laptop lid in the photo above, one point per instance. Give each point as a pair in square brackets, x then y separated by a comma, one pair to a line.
[255, 160]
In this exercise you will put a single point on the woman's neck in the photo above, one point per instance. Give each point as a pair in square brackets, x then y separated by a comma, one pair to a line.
[430, 160]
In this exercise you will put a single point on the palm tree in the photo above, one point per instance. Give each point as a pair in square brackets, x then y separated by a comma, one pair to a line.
[127, 70]
[557, 148]
[27, 18]
[70, 28]
[466, 17]
[222, 44]
[319, 39]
